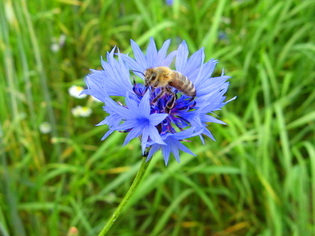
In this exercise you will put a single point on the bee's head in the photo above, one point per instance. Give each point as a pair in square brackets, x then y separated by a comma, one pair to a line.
[149, 77]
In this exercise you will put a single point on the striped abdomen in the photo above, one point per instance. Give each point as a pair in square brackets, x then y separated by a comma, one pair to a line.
[183, 84]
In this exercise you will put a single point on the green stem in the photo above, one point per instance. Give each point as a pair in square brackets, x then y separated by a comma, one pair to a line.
[132, 189]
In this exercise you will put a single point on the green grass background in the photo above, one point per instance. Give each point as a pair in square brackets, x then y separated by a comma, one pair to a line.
[258, 178]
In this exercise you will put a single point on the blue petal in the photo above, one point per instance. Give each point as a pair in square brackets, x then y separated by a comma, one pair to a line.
[168, 60]
[138, 54]
[132, 107]
[108, 81]
[144, 106]
[118, 81]
[166, 153]
[94, 82]
[156, 118]
[131, 63]
[181, 57]
[185, 149]
[208, 133]
[202, 139]
[174, 149]
[134, 133]
[191, 69]
[109, 132]
[162, 52]
[188, 133]
[210, 85]
[112, 120]
[129, 124]
[144, 141]
[153, 150]
[113, 107]
[152, 58]
[154, 134]
[207, 118]
[206, 71]
[151, 55]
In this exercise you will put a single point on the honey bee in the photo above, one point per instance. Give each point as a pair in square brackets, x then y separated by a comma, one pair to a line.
[165, 78]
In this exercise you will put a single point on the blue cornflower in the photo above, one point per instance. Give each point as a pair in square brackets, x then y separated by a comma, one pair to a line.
[169, 2]
[145, 113]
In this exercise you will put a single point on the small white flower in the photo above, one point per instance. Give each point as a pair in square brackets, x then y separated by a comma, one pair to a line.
[80, 111]
[55, 47]
[57, 43]
[226, 20]
[75, 91]
[86, 111]
[45, 128]
[62, 40]
[110, 197]
[76, 111]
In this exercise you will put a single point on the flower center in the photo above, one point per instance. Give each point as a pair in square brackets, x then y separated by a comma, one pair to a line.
[143, 120]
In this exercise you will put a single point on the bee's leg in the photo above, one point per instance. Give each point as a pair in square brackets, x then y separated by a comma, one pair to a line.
[146, 89]
[155, 84]
[162, 92]
[191, 99]
[171, 103]
[134, 85]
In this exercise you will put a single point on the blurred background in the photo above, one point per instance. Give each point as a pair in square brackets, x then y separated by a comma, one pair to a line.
[58, 178]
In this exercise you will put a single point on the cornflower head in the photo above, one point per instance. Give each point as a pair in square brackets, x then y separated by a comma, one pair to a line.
[161, 116]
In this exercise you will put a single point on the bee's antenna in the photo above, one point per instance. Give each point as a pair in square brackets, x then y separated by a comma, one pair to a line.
[138, 72]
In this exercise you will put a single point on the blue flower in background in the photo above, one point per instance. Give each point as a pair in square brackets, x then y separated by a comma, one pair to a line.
[145, 113]
[169, 2]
